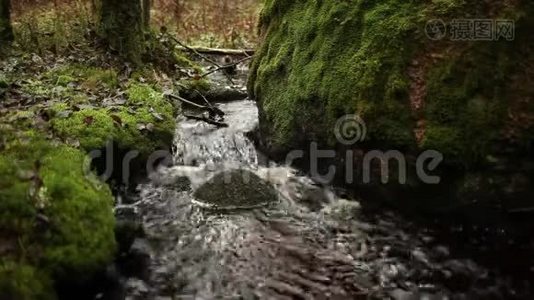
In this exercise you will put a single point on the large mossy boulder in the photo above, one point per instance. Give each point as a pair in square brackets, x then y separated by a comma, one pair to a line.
[56, 220]
[470, 100]
[235, 189]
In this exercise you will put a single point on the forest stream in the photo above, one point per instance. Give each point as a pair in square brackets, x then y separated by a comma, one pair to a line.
[266, 149]
[306, 241]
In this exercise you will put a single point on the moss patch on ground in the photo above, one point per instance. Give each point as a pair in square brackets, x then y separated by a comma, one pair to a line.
[145, 122]
[90, 106]
[56, 220]
[90, 78]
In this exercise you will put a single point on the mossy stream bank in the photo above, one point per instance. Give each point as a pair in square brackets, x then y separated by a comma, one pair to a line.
[58, 229]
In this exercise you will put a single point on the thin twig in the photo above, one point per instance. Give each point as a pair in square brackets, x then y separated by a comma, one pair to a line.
[215, 109]
[203, 97]
[226, 66]
[194, 51]
[211, 109]
[188, 102]
[219, 51]
[209, 121]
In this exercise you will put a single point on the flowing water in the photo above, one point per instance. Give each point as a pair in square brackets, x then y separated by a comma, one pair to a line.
[309, 243]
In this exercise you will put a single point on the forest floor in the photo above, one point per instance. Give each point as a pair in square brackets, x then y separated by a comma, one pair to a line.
[58, 73]
[226, 24]
[43, 92]
[58, 103]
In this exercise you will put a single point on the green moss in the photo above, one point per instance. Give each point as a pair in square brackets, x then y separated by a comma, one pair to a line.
[182, 60]
[70, 83]
[4, 81]
[97, 76]
[83, 240]
[64, 80]
[88, 77]
[145, 124]
[468, 101]
[334, 57]
[447, 139]
[92, 127]
[24, 282]
[55, 217]
[201, 85]
[323, 59]
[140, 94]
[36, 88]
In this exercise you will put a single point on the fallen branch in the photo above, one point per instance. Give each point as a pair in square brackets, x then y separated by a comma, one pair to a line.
[199, 55]
[211, 109]
[207, 102]
[227, 66]
[187, 101]
[217, 51]
[184, 46]
[209, 121]
[521, 210]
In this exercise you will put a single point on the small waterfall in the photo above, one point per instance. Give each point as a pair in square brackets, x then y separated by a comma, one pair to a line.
[199, 143]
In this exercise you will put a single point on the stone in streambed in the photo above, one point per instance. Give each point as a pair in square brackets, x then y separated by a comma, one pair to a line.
[235, 189]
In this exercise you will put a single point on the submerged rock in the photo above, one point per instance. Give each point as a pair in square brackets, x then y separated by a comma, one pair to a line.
[235, 189]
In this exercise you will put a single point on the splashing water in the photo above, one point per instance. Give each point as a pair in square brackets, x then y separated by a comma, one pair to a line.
[307, 244]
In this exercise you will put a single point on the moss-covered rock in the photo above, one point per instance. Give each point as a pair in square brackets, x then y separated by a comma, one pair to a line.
[321, 60]
[56, 220]
[345, 57]
[235, 189]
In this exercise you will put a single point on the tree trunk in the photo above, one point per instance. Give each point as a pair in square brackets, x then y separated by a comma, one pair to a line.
[122, 24]
[6, 32]
[147, 4]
